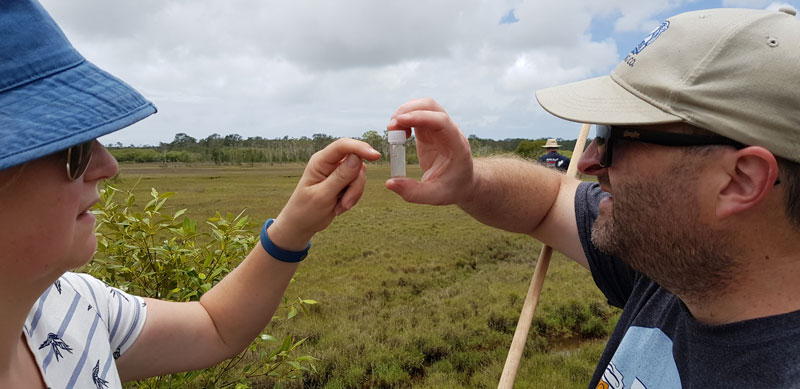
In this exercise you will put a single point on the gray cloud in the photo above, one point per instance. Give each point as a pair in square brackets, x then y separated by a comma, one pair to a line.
[275, 68]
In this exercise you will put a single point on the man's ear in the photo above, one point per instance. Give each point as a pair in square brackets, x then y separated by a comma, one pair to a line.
[752, 173]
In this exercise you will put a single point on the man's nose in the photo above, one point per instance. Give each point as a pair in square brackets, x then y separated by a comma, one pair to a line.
[590, 161]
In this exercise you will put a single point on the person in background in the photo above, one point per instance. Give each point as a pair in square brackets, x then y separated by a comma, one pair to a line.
[60, 329]
[693, 227]
[552, 158]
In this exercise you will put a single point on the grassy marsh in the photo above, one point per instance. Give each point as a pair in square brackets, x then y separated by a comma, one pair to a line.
[409, 295]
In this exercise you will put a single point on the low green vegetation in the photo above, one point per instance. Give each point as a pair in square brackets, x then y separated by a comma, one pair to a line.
[233, 149]
[408, 295]
[149, 252]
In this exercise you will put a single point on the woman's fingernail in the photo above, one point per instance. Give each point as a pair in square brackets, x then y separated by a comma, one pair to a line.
[353, 161]
[392, 123]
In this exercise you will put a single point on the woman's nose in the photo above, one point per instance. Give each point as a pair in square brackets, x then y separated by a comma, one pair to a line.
[102, 166]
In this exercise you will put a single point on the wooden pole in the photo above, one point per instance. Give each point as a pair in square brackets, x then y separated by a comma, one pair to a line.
[535, 289]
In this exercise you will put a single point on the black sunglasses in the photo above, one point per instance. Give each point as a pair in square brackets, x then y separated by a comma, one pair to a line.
[607, 135]
[78, 158]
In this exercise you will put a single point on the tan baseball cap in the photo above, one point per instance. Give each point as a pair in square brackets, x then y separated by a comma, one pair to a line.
[735, 72]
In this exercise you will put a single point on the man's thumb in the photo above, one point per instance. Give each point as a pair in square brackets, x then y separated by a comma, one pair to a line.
[408, 189]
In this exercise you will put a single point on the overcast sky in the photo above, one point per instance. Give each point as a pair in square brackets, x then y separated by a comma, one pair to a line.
[296, 68]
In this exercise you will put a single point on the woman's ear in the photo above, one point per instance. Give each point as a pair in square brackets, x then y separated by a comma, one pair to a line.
[752, 173]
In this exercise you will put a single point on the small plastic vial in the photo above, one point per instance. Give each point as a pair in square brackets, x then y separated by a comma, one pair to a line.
[397, 152]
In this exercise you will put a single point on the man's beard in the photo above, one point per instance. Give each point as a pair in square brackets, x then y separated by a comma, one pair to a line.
[655, 228]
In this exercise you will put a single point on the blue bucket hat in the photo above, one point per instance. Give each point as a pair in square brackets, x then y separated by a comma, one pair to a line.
[52, 98]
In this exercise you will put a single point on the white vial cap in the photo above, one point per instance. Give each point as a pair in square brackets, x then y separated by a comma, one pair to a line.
[397, 136]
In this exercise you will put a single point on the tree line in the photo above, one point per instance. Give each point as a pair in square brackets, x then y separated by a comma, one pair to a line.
[234, 149]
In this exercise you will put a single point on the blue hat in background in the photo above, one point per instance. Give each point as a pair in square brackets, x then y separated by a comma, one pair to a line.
[51, 97]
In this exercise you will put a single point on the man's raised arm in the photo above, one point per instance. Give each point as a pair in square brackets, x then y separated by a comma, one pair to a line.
[507, 193]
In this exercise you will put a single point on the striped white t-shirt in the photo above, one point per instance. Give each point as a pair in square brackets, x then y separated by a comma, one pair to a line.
[78, 327]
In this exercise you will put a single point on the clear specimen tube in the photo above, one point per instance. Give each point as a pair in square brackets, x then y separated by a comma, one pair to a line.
[397, 152]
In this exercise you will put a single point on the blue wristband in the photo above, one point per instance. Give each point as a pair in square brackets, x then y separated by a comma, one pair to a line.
[277, 252]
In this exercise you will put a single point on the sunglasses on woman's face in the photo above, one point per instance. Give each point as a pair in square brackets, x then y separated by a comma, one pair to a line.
[78, 158]
[607, 135]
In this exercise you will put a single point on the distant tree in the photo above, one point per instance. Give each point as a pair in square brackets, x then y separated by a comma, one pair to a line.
[483, 147]
[183, 140]
[320, 141]
[411, 150]
[255, 141]
[232, 140]
[213, 141]
[216, 156]
[531, 149]
[376, 141]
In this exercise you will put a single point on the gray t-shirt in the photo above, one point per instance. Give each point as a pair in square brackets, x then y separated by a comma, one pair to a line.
[658, 344]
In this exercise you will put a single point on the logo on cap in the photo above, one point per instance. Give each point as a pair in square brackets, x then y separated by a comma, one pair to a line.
[630, 59]
[650, 38]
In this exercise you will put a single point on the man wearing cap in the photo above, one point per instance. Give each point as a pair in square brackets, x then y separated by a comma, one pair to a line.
[693, 227]
[552, 158]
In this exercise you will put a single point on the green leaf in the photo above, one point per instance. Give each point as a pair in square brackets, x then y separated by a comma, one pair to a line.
[218, 235]
[268, 338]
[294, 346]
[179, 213]
[292, 313]
[160, 204]
[217, 272]
[241, 222]
[287, 342]
[189, 225]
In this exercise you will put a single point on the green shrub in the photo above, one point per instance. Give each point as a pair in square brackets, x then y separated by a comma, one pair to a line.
[178, 156]
[574, 319]
[136, 155]
[530, 149]
[149, 252]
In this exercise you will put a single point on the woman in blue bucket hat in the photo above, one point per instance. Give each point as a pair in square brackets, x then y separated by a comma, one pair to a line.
[60, 329]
